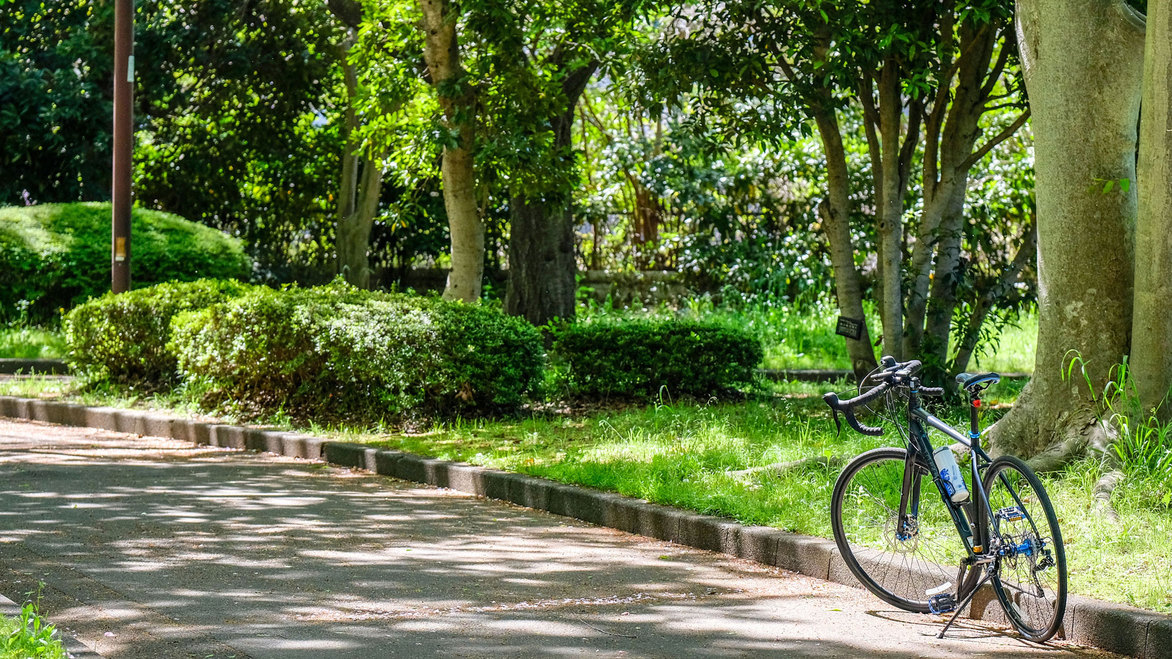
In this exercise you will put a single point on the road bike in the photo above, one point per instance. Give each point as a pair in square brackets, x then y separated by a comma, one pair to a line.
[925, 535]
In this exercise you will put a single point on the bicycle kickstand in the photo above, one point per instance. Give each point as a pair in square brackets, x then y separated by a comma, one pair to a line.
[964, 602]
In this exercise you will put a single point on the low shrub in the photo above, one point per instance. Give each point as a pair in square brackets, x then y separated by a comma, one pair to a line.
[641, 357]
[124, 337]
[55, 256]
[336, 352]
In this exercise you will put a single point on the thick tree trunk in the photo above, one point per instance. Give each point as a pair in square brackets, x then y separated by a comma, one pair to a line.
[1151, 338]
[442, 55]
[835, 214]
[542, 266]
[1083, 63]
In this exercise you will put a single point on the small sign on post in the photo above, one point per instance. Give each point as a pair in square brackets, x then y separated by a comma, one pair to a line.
[849, 327]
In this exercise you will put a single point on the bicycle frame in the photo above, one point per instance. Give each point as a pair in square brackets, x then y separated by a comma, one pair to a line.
[919, 445]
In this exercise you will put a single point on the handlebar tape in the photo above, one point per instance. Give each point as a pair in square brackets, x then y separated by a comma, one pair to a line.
[931, 391]
[847, 409]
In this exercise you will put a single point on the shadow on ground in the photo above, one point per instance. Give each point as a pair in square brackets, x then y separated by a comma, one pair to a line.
[152, 548]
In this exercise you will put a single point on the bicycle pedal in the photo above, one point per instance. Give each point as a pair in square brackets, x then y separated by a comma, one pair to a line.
[942, 603]
[1010, 514]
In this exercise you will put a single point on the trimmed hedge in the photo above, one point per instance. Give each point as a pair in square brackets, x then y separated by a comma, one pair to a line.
[124, 337]
[55, 256]
[336, 352]
[638, 358]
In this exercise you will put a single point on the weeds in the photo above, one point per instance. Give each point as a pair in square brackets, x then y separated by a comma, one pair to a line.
[29, 636]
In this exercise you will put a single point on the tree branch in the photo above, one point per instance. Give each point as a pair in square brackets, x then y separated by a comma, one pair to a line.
[995, 140]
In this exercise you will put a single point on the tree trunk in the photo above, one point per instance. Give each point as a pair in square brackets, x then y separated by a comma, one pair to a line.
[354, 229]
[1151, 338]
[441, 53]
[1083, 64]
[835, 214]
[542, 266]
[950, 136]
[889, 209]
[942, 300]
[357, 204]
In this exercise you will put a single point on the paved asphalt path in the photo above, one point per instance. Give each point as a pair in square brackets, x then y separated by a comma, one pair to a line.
[155, 548]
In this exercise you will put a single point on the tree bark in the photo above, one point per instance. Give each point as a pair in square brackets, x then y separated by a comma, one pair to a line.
[950, 135]
[1151, 331]
[835, 214]
[542, 266]
[442, 55]
[891, 146]
[354, 229]
[357, 203]
[1078, 55]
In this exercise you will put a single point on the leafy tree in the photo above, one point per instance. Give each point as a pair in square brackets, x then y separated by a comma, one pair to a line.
[457, 122]
[530, 103]
[923, 78]
[239, 123]
[55, 101]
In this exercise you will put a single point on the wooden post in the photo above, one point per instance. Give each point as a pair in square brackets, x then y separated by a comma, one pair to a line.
[123, 143]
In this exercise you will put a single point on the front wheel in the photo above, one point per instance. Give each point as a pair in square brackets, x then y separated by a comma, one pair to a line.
[900, 560]
[1030, 581]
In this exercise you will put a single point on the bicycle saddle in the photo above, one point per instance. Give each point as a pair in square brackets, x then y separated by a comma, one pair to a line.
[970, 380]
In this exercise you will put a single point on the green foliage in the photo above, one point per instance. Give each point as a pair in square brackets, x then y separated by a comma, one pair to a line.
[646, 358]
[29, 637]
[55, 256]
[335, 352]
[124, 337]
[31, 343]
[56, 73]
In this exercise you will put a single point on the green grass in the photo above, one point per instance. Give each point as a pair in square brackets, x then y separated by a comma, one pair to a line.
[1012, 349]
[29, 636]
[31, 343]
[802, 337]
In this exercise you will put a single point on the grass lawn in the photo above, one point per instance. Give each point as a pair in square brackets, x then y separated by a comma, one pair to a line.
[681, 454]
[31, 343]
[803, 338]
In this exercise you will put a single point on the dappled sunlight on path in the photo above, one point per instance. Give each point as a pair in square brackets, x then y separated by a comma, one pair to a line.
[155, 548]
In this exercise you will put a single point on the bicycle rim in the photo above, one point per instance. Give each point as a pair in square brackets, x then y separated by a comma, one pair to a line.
[1031, 580]
[899, 568]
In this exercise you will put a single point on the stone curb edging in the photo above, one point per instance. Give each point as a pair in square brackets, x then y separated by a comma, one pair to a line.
[74, 648]
[1089, 622]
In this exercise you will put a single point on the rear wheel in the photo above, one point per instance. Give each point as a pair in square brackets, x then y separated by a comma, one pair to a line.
[1031, 576]
[897, 562]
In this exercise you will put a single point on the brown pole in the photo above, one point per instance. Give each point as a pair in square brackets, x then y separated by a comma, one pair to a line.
[123, 143]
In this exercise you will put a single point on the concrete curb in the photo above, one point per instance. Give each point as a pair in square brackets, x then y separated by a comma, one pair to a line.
[73, 647]
[1089, 622]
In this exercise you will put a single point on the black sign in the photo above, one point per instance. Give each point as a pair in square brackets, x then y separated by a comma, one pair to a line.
[850, 328]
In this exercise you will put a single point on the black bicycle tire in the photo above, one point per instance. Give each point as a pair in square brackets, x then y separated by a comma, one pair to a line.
[847, 552]
[991, 477]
